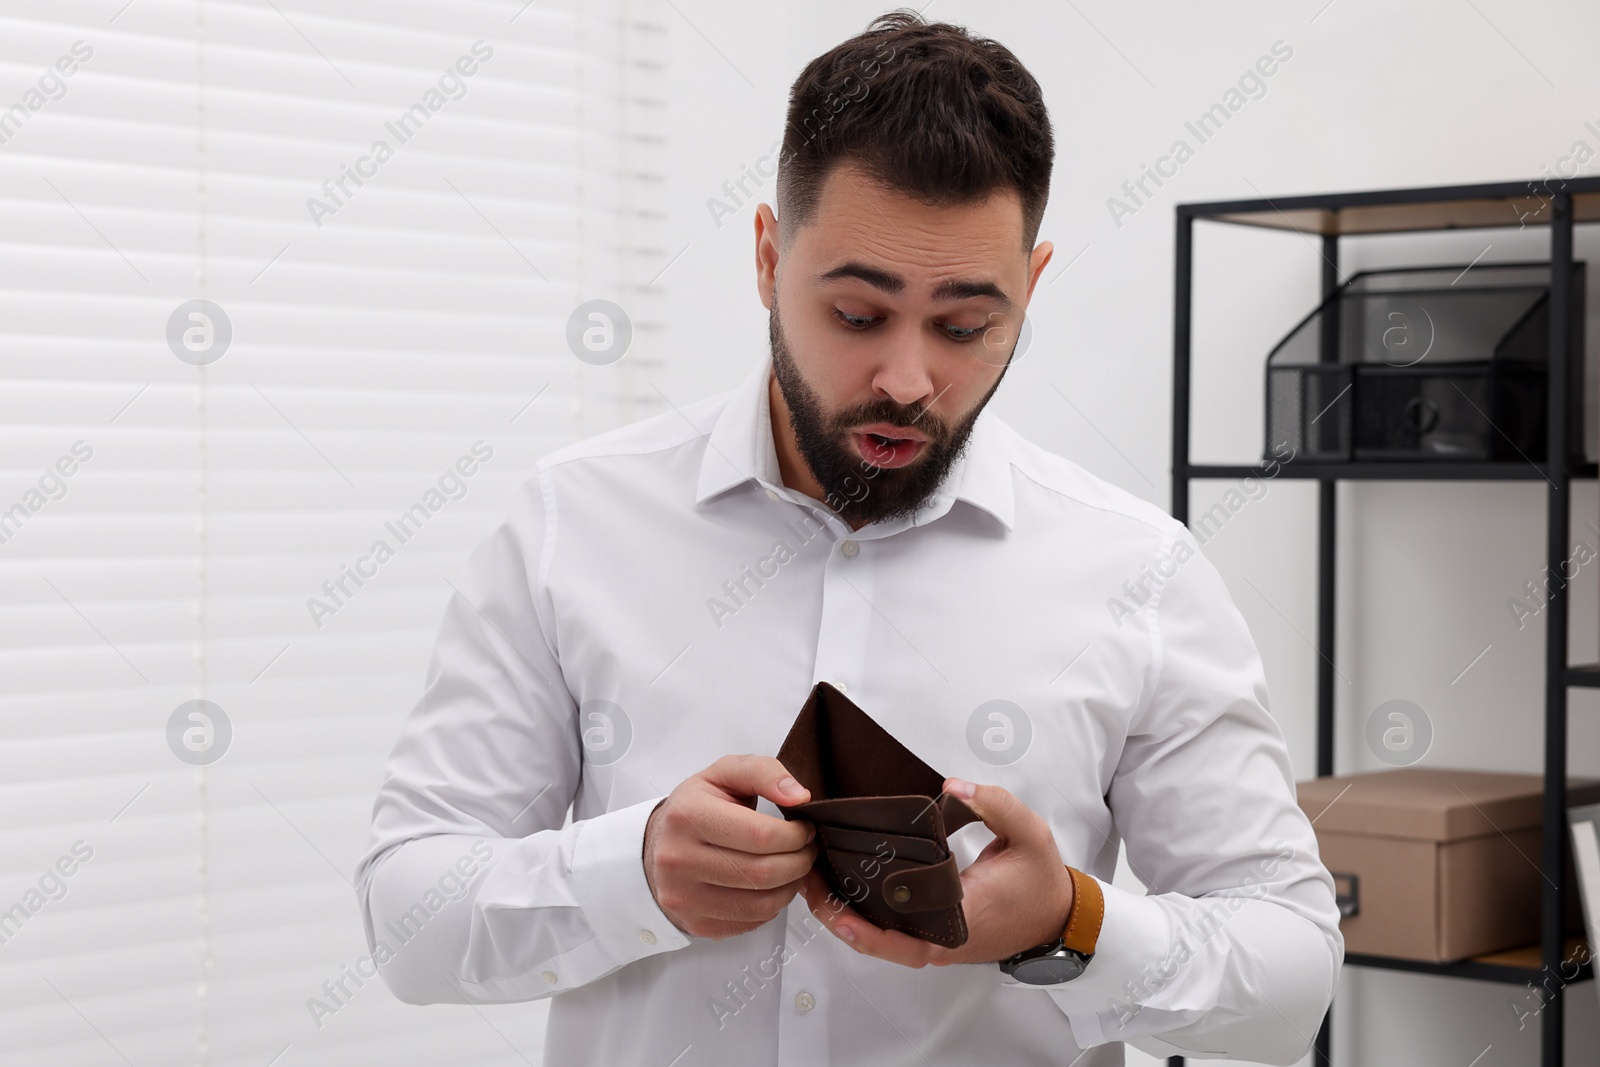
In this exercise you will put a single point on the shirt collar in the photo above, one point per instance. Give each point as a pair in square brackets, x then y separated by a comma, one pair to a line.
[741, 448]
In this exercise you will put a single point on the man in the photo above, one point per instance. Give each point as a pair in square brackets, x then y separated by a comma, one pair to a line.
[637, 634]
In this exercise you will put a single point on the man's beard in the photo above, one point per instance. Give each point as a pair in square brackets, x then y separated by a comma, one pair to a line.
[858, 491]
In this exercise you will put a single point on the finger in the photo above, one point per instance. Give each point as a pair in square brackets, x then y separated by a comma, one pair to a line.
[749, 870]
[823, 902]
[717, 930]
[757, 776]
[999, 808]
[850, 927]
[724, 904]
[817, 893]
[708, 814]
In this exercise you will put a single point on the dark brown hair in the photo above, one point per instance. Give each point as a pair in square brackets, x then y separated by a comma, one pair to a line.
[926, 109]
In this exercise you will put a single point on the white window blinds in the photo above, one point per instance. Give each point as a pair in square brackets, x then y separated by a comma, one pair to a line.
[281, 282]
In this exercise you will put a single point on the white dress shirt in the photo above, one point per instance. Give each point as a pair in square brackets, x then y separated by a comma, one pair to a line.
[654, 598]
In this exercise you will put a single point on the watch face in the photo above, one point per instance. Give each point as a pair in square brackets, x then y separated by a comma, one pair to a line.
[1050, 970]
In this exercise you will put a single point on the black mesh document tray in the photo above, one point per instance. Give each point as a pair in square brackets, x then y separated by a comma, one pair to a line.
[1425, 363]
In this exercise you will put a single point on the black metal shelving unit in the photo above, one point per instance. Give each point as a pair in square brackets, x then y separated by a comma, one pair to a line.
[1325, 220]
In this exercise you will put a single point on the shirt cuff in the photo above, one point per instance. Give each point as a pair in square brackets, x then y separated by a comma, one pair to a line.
[1134, 939]
[609, 882]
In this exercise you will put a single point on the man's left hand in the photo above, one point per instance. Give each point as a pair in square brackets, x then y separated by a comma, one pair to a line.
[1015, 895]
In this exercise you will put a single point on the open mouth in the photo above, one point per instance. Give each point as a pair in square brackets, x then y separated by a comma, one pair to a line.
[887, 452]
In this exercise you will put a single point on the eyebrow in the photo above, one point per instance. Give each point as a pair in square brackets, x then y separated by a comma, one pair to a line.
[891, 283]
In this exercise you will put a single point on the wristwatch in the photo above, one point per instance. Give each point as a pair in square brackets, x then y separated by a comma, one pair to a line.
[1065, 958]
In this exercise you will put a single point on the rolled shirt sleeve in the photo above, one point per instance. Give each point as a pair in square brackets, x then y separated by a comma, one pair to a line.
[473, 886]
[1235, 948]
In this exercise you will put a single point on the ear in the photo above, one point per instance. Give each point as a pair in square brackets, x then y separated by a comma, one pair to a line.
[1036, 264]
[767, 249]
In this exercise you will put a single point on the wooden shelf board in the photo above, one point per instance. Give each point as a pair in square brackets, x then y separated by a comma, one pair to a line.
[1584, 674]
[1462, 207]
[1391, 470]
[1516, 965]
[1528, 955]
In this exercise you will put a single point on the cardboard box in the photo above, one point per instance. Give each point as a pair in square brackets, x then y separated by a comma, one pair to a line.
[1437, 864]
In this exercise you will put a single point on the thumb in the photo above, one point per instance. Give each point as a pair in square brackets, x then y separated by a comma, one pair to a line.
[757, 776]
[996, 805]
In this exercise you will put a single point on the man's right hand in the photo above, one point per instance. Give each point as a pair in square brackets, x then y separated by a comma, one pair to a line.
[718, 867]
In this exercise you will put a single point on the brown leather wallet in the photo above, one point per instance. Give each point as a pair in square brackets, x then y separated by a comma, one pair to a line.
[883, 819]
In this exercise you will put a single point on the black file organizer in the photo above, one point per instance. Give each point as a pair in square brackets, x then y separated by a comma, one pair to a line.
[1438, 363]
[1325, 221]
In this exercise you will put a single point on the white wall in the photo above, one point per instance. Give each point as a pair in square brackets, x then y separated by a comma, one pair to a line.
[1375, 96]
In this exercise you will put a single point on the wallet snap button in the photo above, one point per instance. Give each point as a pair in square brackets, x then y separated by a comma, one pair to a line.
[804, 1002]
[901, 893]
[849, 548]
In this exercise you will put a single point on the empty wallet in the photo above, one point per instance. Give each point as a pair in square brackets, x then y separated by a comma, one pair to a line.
[883, 819]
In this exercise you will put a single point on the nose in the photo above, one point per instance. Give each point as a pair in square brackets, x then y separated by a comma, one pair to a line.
[902, 374]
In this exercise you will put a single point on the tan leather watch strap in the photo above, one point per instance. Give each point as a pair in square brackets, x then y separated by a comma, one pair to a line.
[1087, 914]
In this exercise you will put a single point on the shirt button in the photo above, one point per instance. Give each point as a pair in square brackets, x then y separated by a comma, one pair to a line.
[772, 494]
[804, 1002]
[550, 976]
[849, 548]
[841, 687]
[647, 937]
